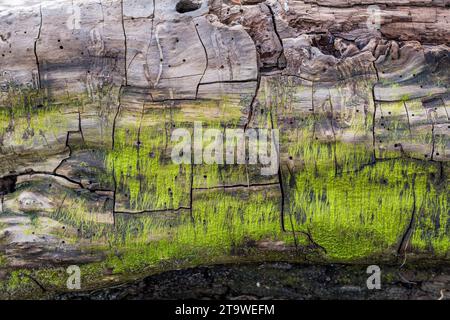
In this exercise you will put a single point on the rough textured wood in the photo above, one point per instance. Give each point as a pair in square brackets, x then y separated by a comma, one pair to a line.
[91, 91]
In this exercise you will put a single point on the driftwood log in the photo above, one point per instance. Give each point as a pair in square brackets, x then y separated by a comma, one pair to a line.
[92, 90]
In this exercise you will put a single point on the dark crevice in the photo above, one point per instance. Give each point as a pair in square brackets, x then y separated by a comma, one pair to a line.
[70, 151]
[311, 240]
[35, 281]
[280, 179]
[35, 49]
[230, 81]
[125, 44]
[330, 118]
[206, 64]
[253, 101]
[374, 152]
[433, 141]
[79, 131]
[184, 6]
[280, 64]
[407, 117]
[325, 44]
[115, 118]
[53, 174]
[240, 186]
[404, 242]
[7, 185]
[150, 211]
[80, 128]
[113, 133]
[374, 155]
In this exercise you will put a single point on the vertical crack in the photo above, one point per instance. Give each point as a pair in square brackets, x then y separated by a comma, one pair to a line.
[374, 154]
[112, 148]
[407, 116]
[35, 49]
[252, 103]
[334, 135]
[67, 144]
[206, 57]
[433, 141]
[282, 213]
[152, 27]
[161, 56]
[80, 128]
[113, 131]
[125, 44]
[277, 34]
[404, 242]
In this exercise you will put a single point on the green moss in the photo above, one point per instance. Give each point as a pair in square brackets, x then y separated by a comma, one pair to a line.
[365, 208]
[431, 232]
[349, 205]
[141, 159]
[17, 279]
[144, 171]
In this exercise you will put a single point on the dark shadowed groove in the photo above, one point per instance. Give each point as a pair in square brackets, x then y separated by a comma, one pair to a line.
[206, 57]
[80, 129]
[112, 148]
[230, 81]
[334, 135]
[115, 118]
[276, 32]
[151, 211]
[407, 116]
[53, 174]
[374, 155]
[280, 178]
[70, 151]
[433, 141]
[404, 242]
[35, 281]
[240, 186]
[35, 49]
[125, 44]
[252, 103]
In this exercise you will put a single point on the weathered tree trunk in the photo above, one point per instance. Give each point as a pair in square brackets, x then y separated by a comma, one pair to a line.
[91, 92]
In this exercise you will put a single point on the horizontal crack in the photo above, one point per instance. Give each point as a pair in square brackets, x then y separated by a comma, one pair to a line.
[150, 211]
[239, 186]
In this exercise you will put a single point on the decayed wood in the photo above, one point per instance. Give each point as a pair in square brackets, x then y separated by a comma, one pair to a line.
[119, 70]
